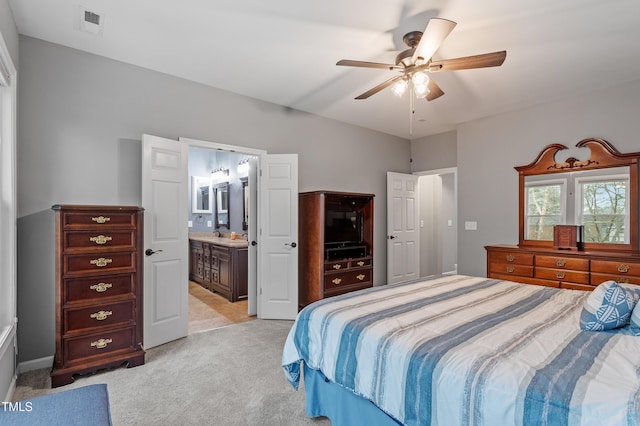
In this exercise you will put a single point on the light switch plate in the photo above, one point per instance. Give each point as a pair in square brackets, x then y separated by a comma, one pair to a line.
[471, 225]
[209, 224]
[190, 224]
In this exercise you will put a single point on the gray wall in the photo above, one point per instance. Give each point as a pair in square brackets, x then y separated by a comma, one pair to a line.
[488, 150]
[80, 122]
[434, 152]
[9, 30]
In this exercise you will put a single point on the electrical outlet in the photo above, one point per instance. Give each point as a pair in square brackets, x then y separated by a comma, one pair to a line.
[471, 226]
[209, 224]
[190, 224]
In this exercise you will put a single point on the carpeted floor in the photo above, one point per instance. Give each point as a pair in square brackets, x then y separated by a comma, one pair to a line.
[227, 376]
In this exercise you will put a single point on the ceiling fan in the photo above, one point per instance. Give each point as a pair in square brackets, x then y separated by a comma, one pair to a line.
[415, 63]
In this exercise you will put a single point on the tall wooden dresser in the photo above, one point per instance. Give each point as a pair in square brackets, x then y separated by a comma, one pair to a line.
[334, 259]
[98, 289]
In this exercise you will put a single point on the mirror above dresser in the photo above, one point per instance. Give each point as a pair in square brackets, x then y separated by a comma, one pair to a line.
[578, 220]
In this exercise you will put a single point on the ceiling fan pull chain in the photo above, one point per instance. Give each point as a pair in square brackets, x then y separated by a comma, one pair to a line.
[411, 109]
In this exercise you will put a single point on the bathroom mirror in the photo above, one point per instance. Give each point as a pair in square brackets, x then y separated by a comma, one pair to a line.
[245, 203]
[222, 204]
[201, 191]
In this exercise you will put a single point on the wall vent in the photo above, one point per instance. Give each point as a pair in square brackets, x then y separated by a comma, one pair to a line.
[91, 18]
[90, 21]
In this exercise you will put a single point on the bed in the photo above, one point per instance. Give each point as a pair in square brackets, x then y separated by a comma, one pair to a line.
[460, 350]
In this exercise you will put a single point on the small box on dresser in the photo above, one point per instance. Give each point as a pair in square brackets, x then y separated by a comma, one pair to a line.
[98, 289]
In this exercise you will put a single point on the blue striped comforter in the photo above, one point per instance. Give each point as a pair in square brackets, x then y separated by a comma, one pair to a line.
[461, 350]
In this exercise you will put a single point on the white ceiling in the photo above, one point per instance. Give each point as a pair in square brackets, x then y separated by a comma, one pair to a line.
[284, 51]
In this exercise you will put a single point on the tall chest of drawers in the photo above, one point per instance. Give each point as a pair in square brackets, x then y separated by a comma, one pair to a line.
[98, 289]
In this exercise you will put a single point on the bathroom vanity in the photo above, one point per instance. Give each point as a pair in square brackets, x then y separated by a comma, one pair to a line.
[219, 264]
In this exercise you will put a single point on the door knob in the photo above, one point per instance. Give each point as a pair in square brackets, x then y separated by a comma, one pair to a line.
[254, 243]
[293, 245]
[149, 252]
[391, 237]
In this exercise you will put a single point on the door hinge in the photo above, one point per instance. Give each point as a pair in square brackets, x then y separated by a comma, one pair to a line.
[260, 290]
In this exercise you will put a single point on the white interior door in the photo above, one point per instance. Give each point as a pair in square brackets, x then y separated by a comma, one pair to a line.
[166, 243]
[403, 232]
[252, 285]
[278, 237]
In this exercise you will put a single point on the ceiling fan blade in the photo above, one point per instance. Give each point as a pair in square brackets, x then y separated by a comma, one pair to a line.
[434, 91]
[494, 59]
[379, 87]
[364, 64]
[437, 30]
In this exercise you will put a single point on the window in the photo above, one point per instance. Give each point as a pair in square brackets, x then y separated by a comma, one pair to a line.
[602, 209]
[545, 207]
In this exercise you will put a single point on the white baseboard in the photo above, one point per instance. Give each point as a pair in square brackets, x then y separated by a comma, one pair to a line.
[35, 364]
[11, 391]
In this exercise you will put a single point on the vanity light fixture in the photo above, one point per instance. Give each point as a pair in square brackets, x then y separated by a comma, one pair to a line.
[243, 166]
[219, 174]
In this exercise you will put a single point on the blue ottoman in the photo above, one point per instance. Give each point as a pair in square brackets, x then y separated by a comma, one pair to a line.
[88, 405]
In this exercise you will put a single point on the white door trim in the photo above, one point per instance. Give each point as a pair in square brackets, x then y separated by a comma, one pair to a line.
[8, 216]
[252, 308]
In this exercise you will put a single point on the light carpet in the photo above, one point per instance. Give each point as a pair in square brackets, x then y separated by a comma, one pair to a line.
[227, 376]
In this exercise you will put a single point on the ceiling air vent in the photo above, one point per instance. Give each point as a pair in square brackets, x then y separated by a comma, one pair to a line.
[90, 21]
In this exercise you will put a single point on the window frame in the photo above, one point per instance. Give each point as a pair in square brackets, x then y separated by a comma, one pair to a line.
[579, 200]
[546, 181]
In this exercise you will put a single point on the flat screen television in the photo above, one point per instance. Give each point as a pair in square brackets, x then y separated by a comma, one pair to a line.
[342, 227]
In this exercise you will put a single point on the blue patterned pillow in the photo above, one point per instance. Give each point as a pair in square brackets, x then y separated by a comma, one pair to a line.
[635, 321]
[609, 306]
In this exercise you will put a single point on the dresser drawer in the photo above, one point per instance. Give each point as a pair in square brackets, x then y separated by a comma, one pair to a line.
[615, 267]
[511, 258]
[563, 275]
[102, 315]
[512, 269]
[560, 262]
[598, 278]
[99, 240]
[99, 344]
[99, 262]
[98, 220]
[80, 289]
[334, 281]
[336, 266]
[360, 263]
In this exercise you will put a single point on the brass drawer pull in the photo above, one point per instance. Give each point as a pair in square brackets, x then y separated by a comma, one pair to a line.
[360, 277]
[336, 281]
[101, 287]
[101, 219]
[623, 280]
[336, 266]
[559, 274]
[101, 262]
[100, 239]
[560, 263]
[510, 258]
[622, 268]
[511, 269]
[361, 263]
[102, 315]
[101, 344]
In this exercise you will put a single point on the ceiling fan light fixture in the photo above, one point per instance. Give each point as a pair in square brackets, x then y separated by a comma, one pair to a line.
[420, 78]
[399, 87]
[421, 90]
